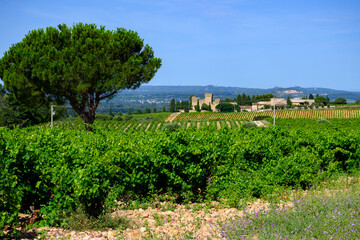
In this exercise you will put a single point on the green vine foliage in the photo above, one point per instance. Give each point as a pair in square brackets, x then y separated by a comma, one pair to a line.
[61, 170]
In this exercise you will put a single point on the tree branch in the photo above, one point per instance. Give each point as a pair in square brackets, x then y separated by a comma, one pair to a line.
[108, 95]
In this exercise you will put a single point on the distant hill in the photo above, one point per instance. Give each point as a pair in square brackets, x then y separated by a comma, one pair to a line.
[231, 92]
[159, 96]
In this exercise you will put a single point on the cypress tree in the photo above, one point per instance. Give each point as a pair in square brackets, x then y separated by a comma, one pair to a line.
[172, 105]
[288, 101]
[177, 106]
[197, 107]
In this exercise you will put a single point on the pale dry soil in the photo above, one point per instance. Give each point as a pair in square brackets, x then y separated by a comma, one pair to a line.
[196, 221]
[172, 117]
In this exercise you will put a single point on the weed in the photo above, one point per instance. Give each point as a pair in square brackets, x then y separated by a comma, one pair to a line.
[326, 214]
[80, 221]
[159, 219]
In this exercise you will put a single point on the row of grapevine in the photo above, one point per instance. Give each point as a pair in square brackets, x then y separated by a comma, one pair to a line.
[327, 113]
[61, 169]
[151, 126]
[130, 126]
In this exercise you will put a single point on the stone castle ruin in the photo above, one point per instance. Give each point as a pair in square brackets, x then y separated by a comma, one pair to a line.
[207, 100]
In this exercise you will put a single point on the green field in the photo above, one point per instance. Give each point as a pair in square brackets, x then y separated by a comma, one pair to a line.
[145, 123]
[61, 169]
[318, 113]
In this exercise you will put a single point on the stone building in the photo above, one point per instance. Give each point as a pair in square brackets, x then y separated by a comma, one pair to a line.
[260, 105]
[302, 102]
[207, 100]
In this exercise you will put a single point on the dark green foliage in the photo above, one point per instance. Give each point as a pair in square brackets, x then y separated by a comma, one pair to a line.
[186, 108]
[2, 90]
[147, 110]
[127, 117]
[118, 118]
[323, 101]
[246, 100]
[197, 106]
[311, 96]
[258, 118]
[172, 105]
[129, 112]
[190, 100]
[184, 104]
[288, 101]
[177, 106]
[340, 100]
[248, 124]
[154, 110]
[59, 170]
[229, 100]
[172, 126]
[82, 64]
[225, 107]
[204, 107]
[209, 107]
[138, 111]
[264, 97]
[103, 117]
[243, 100]
[14, 113]
[238, 100]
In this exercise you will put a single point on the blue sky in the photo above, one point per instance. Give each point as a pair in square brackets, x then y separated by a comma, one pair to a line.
[244, 43]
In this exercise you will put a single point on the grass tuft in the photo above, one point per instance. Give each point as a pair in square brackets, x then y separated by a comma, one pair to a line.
[325, 214]
[80, 221]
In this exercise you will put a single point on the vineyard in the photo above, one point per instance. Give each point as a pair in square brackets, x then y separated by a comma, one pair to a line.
[157, 121]
[58, 170]
[323, 113]
[144, 126]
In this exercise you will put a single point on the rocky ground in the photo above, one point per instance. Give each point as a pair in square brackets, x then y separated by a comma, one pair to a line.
[193, 221]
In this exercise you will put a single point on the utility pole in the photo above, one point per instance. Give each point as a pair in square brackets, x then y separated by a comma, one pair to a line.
[52, 113]
[274, 109]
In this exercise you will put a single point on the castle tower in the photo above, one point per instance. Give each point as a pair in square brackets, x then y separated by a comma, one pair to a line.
[208, 98]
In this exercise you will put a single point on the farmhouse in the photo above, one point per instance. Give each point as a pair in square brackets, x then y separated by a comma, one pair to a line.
[305, 102]
[258, 105]
[208, 100]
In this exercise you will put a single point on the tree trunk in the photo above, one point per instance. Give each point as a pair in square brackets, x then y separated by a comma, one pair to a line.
[88, 117]
[88, 123]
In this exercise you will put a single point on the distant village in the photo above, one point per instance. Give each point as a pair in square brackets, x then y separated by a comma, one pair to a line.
[209, 103]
